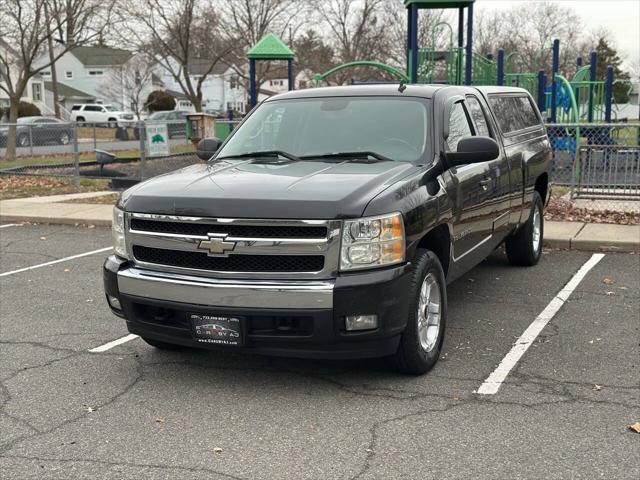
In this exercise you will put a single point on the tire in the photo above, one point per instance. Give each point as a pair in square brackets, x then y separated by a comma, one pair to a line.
[419, 349]
[524, 248]
[23, 140]
[80, 121]
[112, 123]
[64, 138]
[162, 345]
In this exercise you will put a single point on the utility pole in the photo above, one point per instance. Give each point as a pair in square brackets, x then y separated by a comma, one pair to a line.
[54, 75]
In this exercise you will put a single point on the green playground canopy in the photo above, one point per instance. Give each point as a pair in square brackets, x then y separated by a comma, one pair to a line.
[270, 47]
[439, 3]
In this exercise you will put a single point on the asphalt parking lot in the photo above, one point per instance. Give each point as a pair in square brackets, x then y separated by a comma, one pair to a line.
[135, 412]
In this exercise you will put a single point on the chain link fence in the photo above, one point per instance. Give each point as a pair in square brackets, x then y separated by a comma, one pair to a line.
[124, 154]
[596, 162]
[599, 164]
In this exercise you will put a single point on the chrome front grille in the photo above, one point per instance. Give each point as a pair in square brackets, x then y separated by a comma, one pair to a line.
[238, 248]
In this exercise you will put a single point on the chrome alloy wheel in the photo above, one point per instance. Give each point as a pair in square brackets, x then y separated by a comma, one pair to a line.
[429, 313]
[537, 227]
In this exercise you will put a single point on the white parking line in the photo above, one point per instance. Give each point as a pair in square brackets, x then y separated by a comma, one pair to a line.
[114, 343]
[493, 382]
[53, 262]
[10, 225]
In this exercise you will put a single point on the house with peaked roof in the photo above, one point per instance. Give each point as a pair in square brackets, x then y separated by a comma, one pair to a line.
[82, 74]
[34, 93]
[221, 89]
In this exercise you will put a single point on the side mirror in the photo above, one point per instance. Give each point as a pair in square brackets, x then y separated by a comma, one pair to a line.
[473, 150]
[207, 147]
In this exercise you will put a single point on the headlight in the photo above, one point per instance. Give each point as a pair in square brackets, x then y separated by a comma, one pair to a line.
[372, 242]
[117, 233]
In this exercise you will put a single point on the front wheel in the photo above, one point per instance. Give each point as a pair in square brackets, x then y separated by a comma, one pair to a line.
[421, 341]
[524, 248]
[64, 139]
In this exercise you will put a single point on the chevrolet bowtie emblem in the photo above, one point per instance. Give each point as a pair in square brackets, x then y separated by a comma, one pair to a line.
[216, 245]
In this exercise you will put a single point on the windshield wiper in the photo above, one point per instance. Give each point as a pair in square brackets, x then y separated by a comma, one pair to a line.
[263, 153]
[353, 155]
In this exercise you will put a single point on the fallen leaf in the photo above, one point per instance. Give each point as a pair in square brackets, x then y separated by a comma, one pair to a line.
[43, 238]
[608, 280]
[90, 409]
[67, 269]
[161, 420]
[610, 294]
[217, 450]
[635, 427]
[596, 387]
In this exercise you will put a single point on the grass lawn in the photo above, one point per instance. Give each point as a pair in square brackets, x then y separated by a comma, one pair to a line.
[83, 157]
[21, 186]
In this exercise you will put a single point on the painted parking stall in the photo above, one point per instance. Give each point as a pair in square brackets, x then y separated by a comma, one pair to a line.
[82, 390]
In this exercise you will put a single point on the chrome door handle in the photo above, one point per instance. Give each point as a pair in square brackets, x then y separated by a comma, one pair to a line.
[485, 183]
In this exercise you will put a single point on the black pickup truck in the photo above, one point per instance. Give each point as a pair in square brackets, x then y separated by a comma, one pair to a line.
[329, 223]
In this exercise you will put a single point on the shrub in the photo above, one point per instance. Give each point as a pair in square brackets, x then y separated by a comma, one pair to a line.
[160, 100]
[25, 109]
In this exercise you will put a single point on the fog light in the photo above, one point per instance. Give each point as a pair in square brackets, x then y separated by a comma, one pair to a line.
[361, 322]
[114, 302]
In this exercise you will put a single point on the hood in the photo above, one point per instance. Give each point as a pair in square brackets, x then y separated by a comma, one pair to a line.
[260, 189]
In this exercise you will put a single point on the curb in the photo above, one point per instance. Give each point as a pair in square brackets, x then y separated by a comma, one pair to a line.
[591, 245]
[55, 221]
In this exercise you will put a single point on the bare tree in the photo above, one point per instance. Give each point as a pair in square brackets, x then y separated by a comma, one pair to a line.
[24, 36]
[356, 31]
[245, 22]
[527, 31]
[178, 35]
[133, 81]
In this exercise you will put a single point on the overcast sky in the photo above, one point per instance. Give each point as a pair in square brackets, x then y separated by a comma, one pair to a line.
[620, 17]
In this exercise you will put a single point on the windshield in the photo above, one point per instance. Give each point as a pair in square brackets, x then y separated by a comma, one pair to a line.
[157, 116]
[110, 108]
[23, 120]
[389, 126]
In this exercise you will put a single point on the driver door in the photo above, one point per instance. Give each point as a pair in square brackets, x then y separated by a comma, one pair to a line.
[470, 188]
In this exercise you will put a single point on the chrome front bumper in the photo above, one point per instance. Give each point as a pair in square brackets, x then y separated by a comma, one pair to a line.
[311, 294]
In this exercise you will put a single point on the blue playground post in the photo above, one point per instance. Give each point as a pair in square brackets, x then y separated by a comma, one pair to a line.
[253, 98]
[469, 53]
[542, 88]
[414, 43]
[500, 79]
[290, 74]
[608, 95]
[555, 64]
[592, 78]
[460, 45]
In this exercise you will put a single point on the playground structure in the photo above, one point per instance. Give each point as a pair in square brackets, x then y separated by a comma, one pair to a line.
[580, 99]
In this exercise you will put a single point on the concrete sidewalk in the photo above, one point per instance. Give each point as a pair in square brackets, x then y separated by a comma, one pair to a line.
[565, 235]
[51, 209]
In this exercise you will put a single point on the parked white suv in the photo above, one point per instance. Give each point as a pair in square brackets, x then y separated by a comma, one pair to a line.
[104, 114]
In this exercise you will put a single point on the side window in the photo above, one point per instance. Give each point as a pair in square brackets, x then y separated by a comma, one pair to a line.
[513, 113]
[458, 126]
[478, 116]
[529, 115]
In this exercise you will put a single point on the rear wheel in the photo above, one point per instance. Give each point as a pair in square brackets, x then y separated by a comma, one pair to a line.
[112, 123]
[64, 138]
[80, 121]
[422, 338]
[524, 248]
[161, 345]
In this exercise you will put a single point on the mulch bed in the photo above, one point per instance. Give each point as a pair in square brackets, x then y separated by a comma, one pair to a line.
[562, 210]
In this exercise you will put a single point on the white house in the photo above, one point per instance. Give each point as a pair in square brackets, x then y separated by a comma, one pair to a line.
[221, 89]
[82, 74]
[34, 93]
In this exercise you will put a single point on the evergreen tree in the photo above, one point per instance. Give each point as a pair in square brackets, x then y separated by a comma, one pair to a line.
[607, 55]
